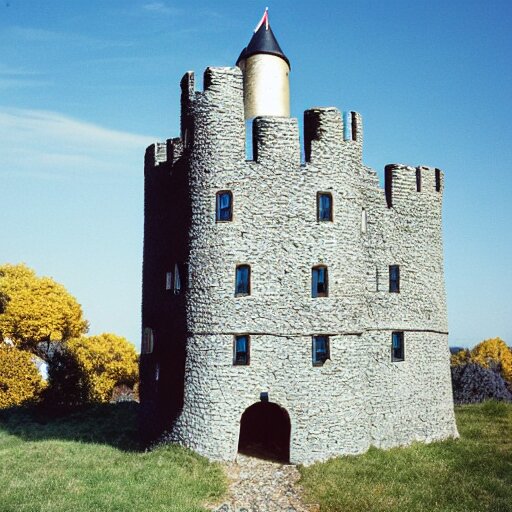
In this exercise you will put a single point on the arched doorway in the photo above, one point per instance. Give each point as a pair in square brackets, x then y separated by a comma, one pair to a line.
[265, 432]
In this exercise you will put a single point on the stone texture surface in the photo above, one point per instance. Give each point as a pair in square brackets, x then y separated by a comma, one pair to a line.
[257, 485]
[359, 397]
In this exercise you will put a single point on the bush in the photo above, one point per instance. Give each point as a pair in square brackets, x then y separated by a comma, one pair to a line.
[494, 352]
[474, 383]
[463, 356]
[20, 380]
[67, 383]
[87, 369]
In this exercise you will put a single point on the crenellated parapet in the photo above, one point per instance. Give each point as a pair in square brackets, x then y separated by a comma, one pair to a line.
[213, 138]
[213, 119]
[276, 140]
[330, 134]
[405, 183]
[155, 155]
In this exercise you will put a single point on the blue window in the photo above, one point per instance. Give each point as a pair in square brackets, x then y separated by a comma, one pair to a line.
[397, 346]
[394, 278]
[243, 280]
[320, 350]
[324, 206]
[224, 207]
[319, 286]
[241, 350]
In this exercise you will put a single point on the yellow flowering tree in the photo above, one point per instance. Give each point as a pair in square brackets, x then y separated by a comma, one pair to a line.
[494, 351]
[20, 380]
[461, 357]
[35, 311]
[105, 361]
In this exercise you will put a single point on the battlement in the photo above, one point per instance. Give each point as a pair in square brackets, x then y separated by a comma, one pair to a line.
[155, 155]
[276, 139]
[326, 128]
[403, 181]
[213, 135]
[160, 153]
[212, 122]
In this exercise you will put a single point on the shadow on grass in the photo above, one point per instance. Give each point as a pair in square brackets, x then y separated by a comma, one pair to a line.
[112, 424]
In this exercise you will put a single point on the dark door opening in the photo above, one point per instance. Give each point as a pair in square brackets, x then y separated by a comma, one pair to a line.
[265, 432]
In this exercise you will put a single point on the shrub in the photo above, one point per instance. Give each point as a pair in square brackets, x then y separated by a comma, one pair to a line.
[20, 380]
[463, 356]
[87, 369]
[474, 383]
[67, 383]
[494, 352]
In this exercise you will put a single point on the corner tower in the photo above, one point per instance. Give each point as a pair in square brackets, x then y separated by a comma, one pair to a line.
[266, 72]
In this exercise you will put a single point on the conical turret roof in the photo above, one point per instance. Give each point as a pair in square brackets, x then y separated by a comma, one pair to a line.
[263, 41]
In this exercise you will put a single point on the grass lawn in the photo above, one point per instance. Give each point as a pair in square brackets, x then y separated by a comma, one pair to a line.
[473, 473]
[88, 461]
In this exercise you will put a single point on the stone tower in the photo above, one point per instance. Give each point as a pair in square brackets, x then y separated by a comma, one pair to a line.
[289, 307]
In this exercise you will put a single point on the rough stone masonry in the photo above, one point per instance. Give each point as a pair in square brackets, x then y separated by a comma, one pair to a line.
[360, 396]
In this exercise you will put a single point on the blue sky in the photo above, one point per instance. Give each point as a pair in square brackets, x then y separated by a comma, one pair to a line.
[86, 86]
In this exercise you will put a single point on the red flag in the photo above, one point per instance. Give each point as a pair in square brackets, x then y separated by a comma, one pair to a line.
[264, 19]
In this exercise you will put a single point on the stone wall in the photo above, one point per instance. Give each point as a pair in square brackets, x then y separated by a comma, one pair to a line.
[359, 397]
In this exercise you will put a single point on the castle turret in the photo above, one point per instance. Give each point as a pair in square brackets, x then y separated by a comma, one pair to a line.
[265, 68]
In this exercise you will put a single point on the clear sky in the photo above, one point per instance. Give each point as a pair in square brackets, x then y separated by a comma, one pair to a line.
[86, 86]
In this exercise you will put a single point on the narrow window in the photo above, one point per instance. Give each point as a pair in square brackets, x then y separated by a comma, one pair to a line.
[397, 346]
[224, 207]
[243, 280]
[157, 372]
[324, 206]
[394, 278]
[418, 180]
[438, 180]
[388, 184]
[319, 285]
[320, 350]
[347, 126]
[241, 350]
[354, 125]
[177, 280]
[168, 281]
[148, 341]
[364, 221]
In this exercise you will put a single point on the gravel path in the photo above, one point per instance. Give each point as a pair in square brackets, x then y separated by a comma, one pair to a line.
[257, 485]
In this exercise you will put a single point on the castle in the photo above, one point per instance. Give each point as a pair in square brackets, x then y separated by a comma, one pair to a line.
[290, 305]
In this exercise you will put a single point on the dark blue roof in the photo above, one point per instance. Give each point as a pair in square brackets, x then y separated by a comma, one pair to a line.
[263, 41]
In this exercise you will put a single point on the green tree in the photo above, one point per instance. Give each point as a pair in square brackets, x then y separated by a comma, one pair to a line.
[20, 380]
[36, 311]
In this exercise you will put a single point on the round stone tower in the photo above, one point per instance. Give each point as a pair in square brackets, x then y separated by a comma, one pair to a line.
[291, 306]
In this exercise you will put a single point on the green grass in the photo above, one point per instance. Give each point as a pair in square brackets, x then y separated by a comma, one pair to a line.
[89, 461]
[473, 473]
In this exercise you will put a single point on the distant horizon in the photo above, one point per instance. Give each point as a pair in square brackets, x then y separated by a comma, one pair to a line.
[86, 87]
